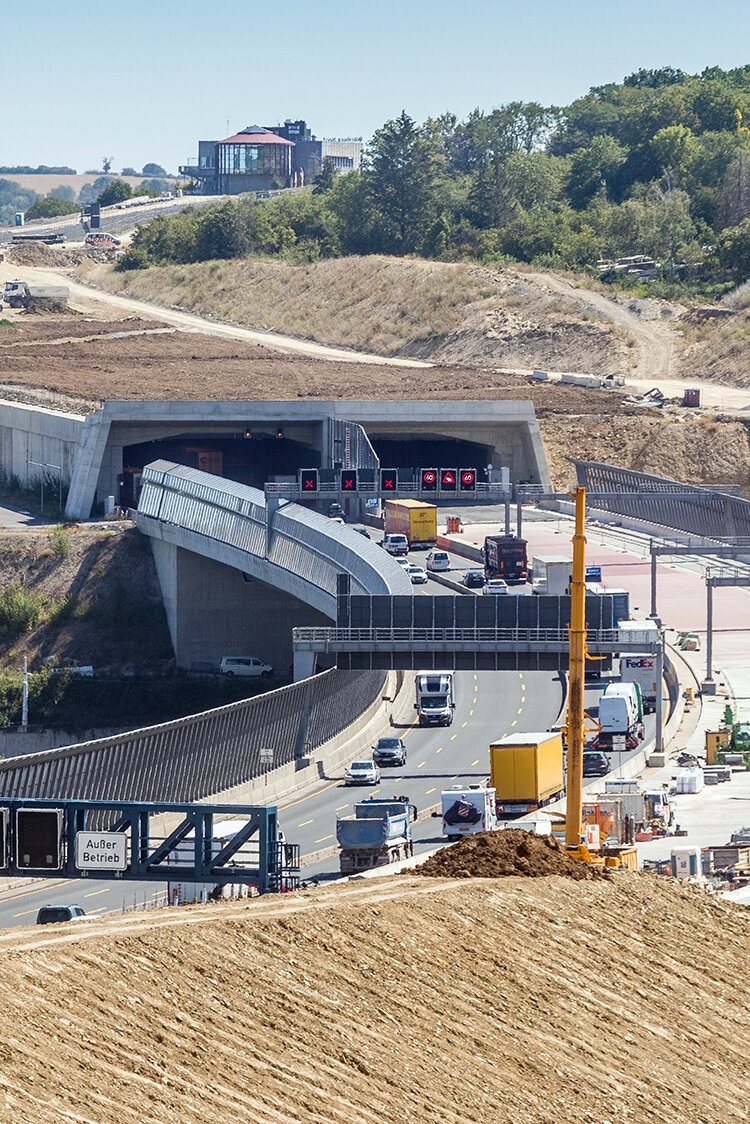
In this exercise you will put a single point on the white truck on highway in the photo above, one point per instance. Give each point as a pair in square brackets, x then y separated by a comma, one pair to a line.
[640, 668]
[435, 700]
[17, 294]
[551, 575]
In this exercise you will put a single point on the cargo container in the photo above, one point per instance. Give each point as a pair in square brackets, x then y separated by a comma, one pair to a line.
[641, 670]
[551, 575]
[413, 518]
[505, 557]
[526, 771]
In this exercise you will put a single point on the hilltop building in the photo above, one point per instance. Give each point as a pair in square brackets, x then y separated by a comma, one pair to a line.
[260, 158]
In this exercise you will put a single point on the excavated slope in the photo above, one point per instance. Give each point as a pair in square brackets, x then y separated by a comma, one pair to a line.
[411, 999]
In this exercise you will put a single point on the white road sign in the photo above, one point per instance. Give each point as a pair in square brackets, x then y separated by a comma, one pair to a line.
[101, 850]
[618, 743]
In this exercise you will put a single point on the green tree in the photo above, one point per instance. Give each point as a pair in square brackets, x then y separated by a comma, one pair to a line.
[106, 164]
[49, 207]
[128, 172]
[734, 249]
[594, 169]
[153, 170]
[63, 192]
[400, 179]
[325, 178]
[114, 192]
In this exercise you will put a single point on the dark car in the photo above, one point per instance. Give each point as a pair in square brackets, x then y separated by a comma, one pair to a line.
[362, 531]
[474, 579]
[389, 751]
[335, 511]
[595, 763]
[53, 914]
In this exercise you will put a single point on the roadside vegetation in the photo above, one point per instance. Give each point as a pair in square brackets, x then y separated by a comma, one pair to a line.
[658, 164]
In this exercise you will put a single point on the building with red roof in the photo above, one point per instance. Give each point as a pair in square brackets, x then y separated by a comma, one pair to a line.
[253, 159]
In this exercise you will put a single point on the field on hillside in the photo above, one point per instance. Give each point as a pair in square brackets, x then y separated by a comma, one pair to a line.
[457, 314]
[406, 999]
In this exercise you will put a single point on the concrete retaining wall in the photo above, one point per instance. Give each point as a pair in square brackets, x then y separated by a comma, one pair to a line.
[32, 433]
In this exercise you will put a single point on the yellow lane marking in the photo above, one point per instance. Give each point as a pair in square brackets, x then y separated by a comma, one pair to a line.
[101, 909]
[514, 722]
[341, 807]
[428, 791]
[95, 892]
[421, 764]
[323, 840]
[520, 675]
[474, 763]
[453, 737]
[520, 710]
[523, 698]
[302, 799]
[455, 778]
[475, 674]
[25, 913]
[473, 701]
[464, 724]
[439, 750]
[470, 714]
[37, 890]
[304, 823]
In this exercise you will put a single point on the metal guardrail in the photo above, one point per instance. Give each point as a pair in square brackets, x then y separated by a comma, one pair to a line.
[694, 509]
[196, 757]
[599, 641]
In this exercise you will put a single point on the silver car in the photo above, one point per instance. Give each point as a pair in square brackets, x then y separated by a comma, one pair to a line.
[362, 772]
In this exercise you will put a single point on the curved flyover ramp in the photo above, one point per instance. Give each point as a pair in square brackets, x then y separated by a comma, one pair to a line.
[294, 552]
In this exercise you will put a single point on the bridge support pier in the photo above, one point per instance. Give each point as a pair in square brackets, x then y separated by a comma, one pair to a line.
[214, 610]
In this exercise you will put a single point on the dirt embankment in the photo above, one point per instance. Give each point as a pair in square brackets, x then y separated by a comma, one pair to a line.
[411, 999]
[93, 598]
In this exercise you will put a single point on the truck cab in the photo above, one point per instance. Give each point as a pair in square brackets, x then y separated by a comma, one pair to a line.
[14, 293]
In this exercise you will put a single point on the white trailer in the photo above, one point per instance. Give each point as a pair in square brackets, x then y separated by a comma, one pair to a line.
[467, 810]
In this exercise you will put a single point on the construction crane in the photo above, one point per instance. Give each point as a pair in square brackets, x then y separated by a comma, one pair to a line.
[574, 842]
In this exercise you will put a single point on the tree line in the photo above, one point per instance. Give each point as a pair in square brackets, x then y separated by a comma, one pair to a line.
[658, 164]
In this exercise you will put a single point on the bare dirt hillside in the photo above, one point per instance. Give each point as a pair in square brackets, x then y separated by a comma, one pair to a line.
[447, 313]
[412, 999]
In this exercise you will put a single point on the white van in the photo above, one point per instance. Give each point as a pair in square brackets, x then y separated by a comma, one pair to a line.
[245, 665]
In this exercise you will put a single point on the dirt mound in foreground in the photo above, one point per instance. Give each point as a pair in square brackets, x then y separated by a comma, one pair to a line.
[415, 1000]
[499, 854]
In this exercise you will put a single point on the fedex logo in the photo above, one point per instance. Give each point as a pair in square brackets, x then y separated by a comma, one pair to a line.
[640, 661]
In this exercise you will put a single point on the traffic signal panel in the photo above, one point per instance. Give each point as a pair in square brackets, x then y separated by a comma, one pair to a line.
[349, 480]
[468, 479]
[308, 481]
[429, 479]
[38, 839]
[448, 478]
[388, 480]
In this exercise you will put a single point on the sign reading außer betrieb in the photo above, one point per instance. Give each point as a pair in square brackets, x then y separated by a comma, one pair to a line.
[101, 850]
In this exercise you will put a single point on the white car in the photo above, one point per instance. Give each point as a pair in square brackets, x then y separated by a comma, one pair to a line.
[438, 560]
[362, 772]
[495, 586]
[404, 563]
[245, 665]
[417, 575]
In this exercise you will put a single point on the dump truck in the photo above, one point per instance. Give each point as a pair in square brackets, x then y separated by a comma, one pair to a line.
[505, 557]
[413, 518]
[377, 834]
[468, 809]
[435, 702]
[551, 575]
[526, 771]
[17, 294]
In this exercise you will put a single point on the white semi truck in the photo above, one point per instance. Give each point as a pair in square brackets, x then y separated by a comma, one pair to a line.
[435, 700]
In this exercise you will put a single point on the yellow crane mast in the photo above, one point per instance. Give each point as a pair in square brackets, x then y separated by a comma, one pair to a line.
[576, 679]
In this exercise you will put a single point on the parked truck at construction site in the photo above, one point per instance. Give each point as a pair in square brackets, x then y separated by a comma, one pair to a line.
[18, 294]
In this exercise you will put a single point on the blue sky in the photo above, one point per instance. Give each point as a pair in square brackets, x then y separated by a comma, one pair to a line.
[143, 80]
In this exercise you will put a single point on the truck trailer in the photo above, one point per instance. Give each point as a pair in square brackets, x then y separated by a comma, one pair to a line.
[526, 771]
[505, 557]
[416, 520]
[435, 701]
[467, 810]
[551, 575]
[17, 294]
[377, 834]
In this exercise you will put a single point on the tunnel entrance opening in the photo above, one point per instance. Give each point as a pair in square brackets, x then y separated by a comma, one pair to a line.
[431, 452]
[247, 460]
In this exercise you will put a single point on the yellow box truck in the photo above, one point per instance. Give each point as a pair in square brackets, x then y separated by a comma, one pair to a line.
[416, 520]
[526, 771]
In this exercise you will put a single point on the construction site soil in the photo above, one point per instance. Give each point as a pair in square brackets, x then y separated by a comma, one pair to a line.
[411, 999]
[500, 854]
